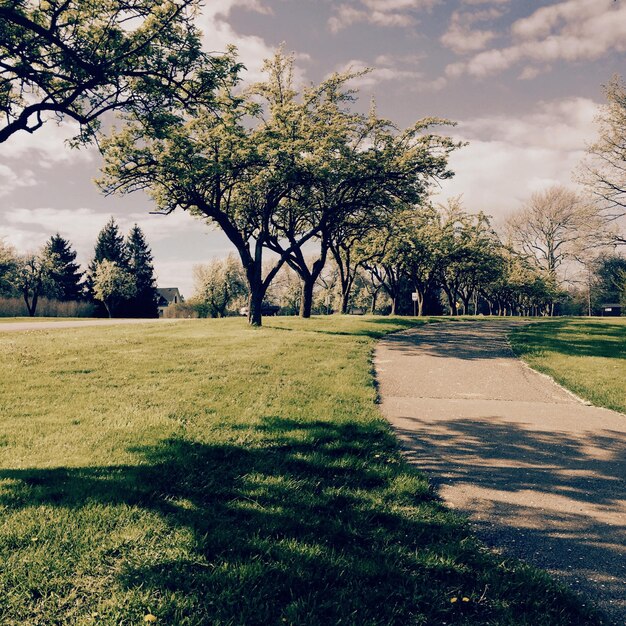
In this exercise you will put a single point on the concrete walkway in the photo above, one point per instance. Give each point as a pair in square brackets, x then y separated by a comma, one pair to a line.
[20, 326]
[540, 474]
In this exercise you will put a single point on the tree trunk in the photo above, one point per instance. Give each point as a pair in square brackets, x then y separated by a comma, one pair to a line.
[255, 303]
[420, 303]
[345, 301]
[451, 302]
[373, 304]
[306, 303]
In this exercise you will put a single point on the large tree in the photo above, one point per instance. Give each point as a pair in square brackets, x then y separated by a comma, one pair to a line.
[604, 170]
[144, 301]
[80, 59]
[64, 273]
[553, 226]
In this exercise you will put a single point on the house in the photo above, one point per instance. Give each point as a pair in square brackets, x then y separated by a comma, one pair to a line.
[166, 296]
[611, 309]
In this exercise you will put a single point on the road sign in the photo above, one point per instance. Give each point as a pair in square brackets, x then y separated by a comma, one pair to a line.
[414, 296]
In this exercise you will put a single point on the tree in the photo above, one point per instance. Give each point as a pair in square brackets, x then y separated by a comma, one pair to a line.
[9, 264]
[64, 274]
[112, 284]
[553, 226]
[213, 164]
[32, 278]
[366, 172]
[610, 280]
[80, 59]
[604, 171]
[217, 285]
[110, 246]
[144, 302]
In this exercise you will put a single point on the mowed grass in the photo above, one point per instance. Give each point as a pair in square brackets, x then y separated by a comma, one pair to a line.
[588, 356]
[208, 473]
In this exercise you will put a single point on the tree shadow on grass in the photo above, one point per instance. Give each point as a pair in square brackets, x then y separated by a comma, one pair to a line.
[380, 326]
[321, 525]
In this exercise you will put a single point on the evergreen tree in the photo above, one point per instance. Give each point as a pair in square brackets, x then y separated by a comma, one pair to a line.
[144, 303]
[110, 246]
[64, 274]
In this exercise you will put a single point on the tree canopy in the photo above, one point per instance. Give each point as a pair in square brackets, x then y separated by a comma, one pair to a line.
[80, 59]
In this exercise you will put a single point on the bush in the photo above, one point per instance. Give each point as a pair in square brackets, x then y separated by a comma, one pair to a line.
[16, 307]
[182, 309]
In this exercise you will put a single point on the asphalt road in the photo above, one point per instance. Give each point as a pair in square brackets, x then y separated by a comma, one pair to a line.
[540, 474]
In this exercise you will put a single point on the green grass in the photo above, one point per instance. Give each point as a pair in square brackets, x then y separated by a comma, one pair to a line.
[587, 356]
[211, 473]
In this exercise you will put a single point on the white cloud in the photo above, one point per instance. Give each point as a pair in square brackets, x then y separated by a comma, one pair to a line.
[571, 30]
[46, 147]
[391, 13]
[462, 37]
[387, 68]
[218, 34]
[10, 180]
[509, 157]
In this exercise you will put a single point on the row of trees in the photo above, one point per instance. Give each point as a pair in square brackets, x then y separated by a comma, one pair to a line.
[120, 276]
[451, 260]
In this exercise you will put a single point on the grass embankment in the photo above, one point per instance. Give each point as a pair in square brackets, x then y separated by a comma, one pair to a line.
[208, 473]
[588, 356]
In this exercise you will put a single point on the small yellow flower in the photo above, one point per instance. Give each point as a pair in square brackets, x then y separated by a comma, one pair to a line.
[453, 600]
[465, 599]
[150, 618]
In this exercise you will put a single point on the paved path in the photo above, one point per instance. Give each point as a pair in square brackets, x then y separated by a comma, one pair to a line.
[15, 326]
[540, 474]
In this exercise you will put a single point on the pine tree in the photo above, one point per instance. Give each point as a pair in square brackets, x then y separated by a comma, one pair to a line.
[144, 303]
[110, 246]
[64, 274]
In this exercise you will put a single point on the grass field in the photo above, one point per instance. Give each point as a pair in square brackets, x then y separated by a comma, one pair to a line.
[588, 356]
[208, 473]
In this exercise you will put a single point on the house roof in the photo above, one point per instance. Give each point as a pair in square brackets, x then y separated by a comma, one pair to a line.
[611, 305]
[168, 293]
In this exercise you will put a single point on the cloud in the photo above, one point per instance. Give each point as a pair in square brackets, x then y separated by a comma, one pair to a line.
[218, 34]
[389, 68]
[509, 157]
[462, 38]
[572, 30]
[398, 13]
[10, 180]
[45, 148]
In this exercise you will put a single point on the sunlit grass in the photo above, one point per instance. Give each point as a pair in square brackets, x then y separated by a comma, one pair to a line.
[210, 473]
[588, 356]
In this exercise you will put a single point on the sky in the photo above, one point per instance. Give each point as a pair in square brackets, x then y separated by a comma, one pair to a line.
[523, 81]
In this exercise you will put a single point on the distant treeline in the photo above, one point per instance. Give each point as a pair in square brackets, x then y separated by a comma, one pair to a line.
[119, 280]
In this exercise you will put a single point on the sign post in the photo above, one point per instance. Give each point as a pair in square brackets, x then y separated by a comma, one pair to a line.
[414, 298]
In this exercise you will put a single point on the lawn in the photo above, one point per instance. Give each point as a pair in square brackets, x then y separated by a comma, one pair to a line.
[208, 473]
[587, 356]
